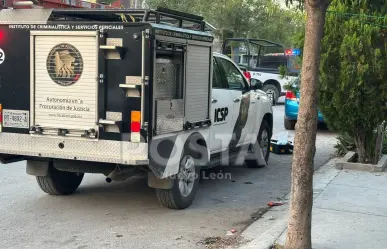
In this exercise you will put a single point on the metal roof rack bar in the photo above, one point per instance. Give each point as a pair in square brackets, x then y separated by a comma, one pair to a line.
[179, 13]
[145, 15]
[256, 42]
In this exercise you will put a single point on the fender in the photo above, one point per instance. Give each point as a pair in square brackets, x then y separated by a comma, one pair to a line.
[264, 106]
[165, 151]
[258, 124]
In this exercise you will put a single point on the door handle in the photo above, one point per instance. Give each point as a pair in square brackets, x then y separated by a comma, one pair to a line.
[252, 102]
[214, 101]
[236, 100]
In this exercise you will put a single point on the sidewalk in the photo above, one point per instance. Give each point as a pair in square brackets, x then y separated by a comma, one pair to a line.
[349, 212]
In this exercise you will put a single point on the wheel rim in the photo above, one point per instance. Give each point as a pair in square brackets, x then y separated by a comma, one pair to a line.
[272, 92]
[187, 176]
[264, 143]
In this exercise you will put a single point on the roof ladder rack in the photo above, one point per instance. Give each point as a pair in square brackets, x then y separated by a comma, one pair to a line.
[158, 15]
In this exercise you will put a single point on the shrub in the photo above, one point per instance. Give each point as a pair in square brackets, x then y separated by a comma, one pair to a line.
[344, 144]
[353, 91]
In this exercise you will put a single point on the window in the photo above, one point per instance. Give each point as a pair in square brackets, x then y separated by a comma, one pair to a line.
[234, 78]
[216, 78]
[236, 51]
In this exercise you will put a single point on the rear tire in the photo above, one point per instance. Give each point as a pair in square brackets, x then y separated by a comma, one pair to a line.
[269, 88]
[58, 182]
[185, 185]
[262, 143]
[289, 124]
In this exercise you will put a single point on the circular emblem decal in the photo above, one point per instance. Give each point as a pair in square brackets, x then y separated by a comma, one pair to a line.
[64, 64]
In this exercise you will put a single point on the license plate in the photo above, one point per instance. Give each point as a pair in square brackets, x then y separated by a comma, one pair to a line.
[16, 119]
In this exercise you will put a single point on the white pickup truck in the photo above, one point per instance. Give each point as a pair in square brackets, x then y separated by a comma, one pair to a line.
[261, 59]
[98, 94]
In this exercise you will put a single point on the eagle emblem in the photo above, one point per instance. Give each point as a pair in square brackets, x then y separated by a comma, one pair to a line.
[64, 64]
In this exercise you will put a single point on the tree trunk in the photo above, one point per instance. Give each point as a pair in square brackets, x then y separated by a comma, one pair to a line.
[300, 216]
[360, 147]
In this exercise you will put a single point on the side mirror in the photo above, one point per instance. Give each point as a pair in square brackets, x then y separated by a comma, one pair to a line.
[255, 84]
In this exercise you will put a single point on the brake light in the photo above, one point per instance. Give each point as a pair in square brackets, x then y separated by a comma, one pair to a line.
[247, 75]
[135, 126]
[288, 52]
[290, 95]
[295, 51]
[1, 117]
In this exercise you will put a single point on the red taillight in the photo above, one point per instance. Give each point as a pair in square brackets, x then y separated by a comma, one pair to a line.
[135, 127]
[1, 117]
[1, 35]
[290, 95]
[247, 75]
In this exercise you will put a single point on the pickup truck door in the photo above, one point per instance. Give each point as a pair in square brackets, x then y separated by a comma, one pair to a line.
[221, 112]
[243, 100]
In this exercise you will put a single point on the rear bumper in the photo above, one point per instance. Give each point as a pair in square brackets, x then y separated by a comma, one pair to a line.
[106, 151]
[291, 111]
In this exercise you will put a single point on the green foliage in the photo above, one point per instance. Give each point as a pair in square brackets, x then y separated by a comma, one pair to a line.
[243, 18]
[384, 151]
[293, 85]
[283, 71]
[344, 144]
[353, 92]
[352, 89]
[298, 39]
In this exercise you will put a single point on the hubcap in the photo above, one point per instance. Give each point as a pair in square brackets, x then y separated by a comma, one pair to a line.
[187, 175]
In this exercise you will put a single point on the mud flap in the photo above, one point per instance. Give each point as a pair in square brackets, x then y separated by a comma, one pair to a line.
[165, 153]
[155, 182]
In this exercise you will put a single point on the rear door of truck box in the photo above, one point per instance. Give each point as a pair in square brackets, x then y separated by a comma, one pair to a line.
[64, 80]
[61, 80]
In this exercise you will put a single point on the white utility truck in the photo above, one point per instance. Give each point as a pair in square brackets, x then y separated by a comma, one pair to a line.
[122, 92]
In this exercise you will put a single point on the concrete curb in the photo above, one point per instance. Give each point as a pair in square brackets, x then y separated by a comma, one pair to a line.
[271, 228]
[264, 232]
[347, 163]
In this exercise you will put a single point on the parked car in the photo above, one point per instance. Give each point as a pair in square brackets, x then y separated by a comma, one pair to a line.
[292, 101]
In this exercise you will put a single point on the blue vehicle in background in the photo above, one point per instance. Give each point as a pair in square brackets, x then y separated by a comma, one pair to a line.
[292, 101]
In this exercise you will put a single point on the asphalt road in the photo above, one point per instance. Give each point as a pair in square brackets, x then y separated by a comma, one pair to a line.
[128, 215]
